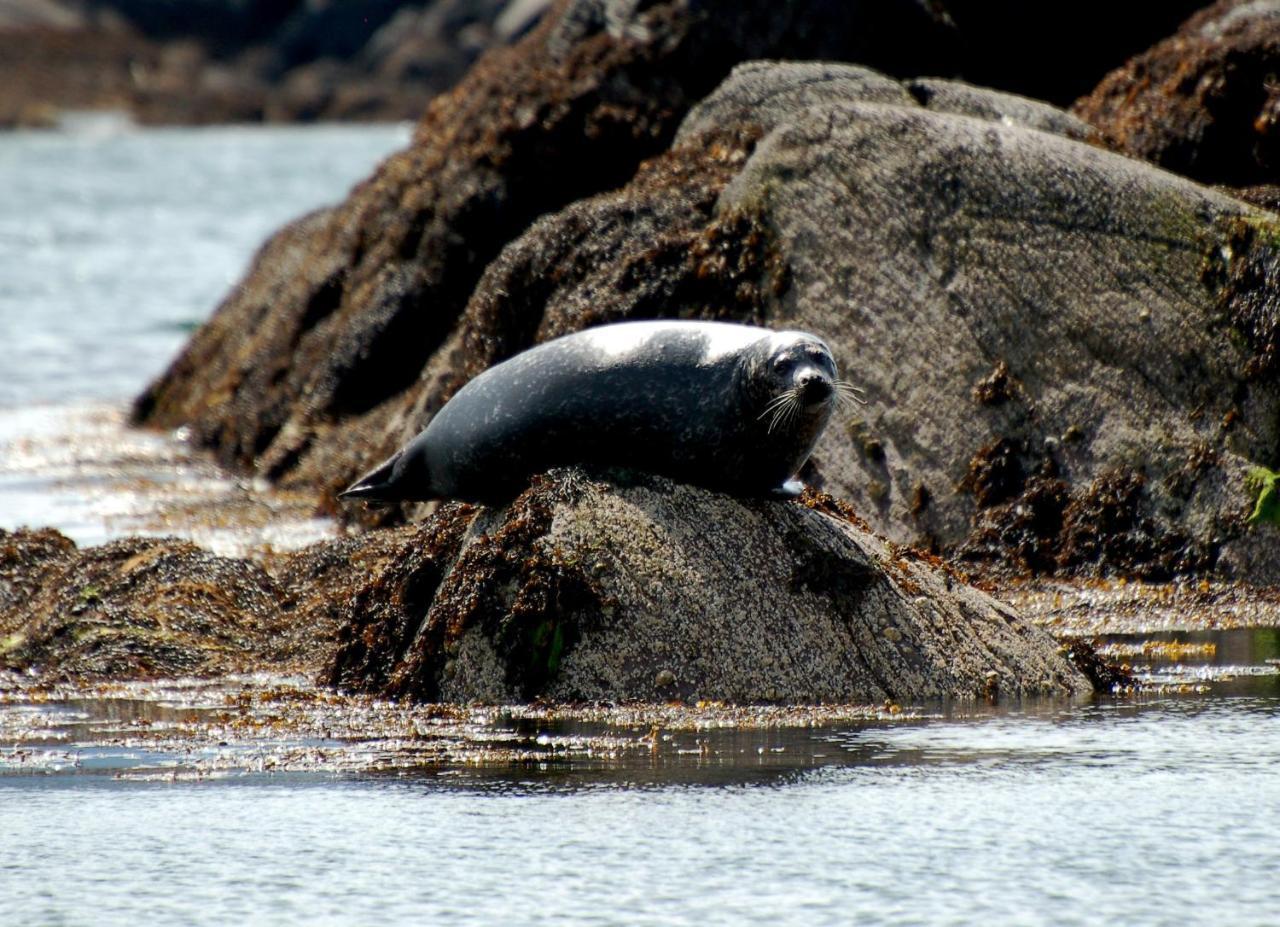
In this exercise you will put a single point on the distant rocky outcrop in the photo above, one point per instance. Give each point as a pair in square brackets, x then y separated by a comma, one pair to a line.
[347, 60]
[207, 61]
[1205, 102]
[55, 57]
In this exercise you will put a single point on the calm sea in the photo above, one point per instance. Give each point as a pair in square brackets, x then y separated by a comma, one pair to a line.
[114, 244]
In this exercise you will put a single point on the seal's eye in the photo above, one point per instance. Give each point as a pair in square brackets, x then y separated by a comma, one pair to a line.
[783, 363]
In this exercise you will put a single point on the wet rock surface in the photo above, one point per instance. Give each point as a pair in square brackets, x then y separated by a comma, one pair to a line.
[1204, 102]
[137, 607]
[148, 607]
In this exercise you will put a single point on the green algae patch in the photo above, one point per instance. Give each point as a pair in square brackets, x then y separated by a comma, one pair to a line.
[1262, 485]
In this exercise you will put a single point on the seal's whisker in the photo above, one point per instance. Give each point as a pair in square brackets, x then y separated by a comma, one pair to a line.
[773, 404]
[777, 406]
[846, 393]
[788, 411]
[783, 408]
[793, 412]
[777, 417]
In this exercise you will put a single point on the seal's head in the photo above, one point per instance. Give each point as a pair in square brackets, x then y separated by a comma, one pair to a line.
[798, 378]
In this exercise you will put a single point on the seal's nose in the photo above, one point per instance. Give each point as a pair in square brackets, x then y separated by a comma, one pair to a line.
[814, 387]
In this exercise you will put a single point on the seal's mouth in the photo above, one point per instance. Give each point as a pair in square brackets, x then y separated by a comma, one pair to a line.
[814, 389]
[811, 391]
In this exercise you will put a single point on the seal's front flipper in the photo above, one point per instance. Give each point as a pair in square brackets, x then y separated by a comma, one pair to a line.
[791, 489]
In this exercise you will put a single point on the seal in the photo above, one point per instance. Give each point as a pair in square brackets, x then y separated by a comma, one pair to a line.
[735, 408]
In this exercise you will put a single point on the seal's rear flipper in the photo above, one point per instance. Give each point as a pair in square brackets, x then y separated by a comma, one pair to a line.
[379, 485]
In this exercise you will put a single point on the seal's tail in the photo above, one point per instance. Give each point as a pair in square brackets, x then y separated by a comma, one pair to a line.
[379, 485]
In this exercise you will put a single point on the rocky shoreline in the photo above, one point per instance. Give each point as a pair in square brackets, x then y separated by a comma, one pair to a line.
[217, 61]
[1069, 352]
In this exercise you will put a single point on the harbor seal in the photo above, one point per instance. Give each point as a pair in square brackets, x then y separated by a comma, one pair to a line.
[730, 407]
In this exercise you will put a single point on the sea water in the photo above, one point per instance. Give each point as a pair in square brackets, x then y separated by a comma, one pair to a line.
[114, 244]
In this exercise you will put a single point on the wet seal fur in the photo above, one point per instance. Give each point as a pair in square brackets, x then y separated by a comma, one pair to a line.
[730, 407]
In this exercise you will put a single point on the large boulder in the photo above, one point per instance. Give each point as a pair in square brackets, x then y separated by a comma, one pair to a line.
[1069, 355]
[576, 590]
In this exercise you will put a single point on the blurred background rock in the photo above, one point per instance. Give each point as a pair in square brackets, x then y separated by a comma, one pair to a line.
[207, 61]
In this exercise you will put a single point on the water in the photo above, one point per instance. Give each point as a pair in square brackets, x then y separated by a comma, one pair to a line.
[1164, 813]
[212, 806]
[115, 244]
[1156, 810]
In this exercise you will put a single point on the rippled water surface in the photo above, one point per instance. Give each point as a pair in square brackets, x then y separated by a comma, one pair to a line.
[114, 245]
[1159, 813]
[1162, 809]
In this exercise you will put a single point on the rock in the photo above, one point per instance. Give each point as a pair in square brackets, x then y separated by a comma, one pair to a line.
[208, 61]
[581, 590]
[1069, 354]
[578, 590]
[354, 61]
[143, 608]
[949, 248]
[26, 560]
[1204, 102]
[136, 608]
[57, 63]
[48, 14]
[302, 372]
[384, 59]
